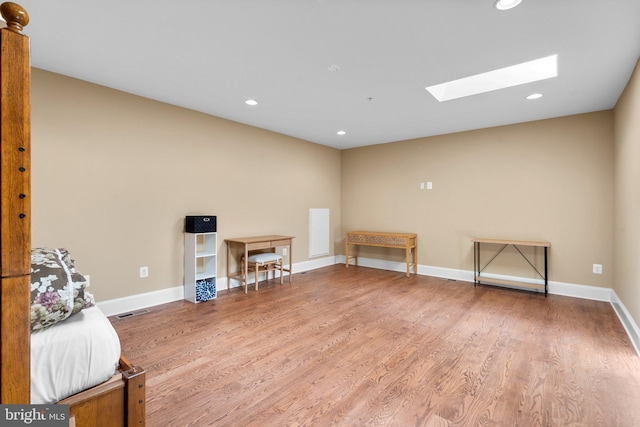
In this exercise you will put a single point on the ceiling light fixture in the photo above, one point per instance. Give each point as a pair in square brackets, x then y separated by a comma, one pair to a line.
[341, 132]
[506, 4]
[527, 72]
[534, 96]
[251, 102]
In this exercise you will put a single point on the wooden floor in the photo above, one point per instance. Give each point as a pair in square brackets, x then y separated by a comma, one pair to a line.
[365, 347]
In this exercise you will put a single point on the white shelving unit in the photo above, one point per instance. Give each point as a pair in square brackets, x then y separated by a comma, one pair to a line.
[200, 265]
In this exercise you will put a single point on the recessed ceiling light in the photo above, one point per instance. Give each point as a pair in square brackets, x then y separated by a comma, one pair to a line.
[506, 4]
[527, 72]
[251, 102]
[334, 67]
[534, 96]
[341, 132]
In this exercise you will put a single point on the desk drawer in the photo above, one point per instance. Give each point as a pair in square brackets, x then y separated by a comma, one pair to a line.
[280, 243]
[356, 238]
[399, 241]
[258, 245]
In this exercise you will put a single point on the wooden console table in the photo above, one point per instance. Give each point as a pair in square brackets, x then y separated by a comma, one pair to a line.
[246, 244]
[406, 241]
[478, 268]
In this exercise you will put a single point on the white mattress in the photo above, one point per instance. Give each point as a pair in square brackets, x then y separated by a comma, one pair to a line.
[73, 355]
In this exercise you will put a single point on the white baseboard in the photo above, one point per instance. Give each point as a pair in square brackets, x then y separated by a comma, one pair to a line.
[136, 302]
[556, 288]
[140, 301]
[633, 331]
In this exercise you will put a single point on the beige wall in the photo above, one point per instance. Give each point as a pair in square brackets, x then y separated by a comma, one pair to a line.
[549, 180]
[115, 174]
[627, 192]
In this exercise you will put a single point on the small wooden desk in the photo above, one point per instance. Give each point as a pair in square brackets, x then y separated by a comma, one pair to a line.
[246, 244]
[477, 266]
[406, 241]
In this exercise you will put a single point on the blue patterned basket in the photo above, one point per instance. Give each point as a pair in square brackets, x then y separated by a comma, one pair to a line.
[206, 290]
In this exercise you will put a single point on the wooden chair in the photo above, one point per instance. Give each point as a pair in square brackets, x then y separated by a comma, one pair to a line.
[264, 262]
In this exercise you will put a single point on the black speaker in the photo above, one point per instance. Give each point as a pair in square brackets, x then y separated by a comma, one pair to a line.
[200, 224]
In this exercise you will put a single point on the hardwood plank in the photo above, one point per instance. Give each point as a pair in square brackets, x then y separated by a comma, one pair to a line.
[365, 347]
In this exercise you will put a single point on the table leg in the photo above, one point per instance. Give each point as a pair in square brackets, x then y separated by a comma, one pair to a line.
[546, 273]
[290, 259]
[476, 263]
[346, 252]
[246, 268]
[408, 260]
[228, 271]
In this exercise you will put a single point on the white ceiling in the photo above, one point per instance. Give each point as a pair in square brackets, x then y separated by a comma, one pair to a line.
[212, 55]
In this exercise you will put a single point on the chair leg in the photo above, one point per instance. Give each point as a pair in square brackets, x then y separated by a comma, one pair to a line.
[244, 278]
[257, 267]
[266, 268]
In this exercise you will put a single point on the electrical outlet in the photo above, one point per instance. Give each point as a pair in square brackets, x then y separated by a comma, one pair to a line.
[429, 185]
[597, 268]
[144, 272]
[284, 251]
[422, 185]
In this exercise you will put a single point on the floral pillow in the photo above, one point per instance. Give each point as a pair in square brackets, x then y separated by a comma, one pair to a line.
[57, 289]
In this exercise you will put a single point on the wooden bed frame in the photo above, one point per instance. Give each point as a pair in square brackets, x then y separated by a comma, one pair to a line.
[119, 401]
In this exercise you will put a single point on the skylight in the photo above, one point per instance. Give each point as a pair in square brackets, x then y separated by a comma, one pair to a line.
[515, 75]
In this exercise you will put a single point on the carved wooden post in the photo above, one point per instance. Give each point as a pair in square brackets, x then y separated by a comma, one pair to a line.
[15, 207]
